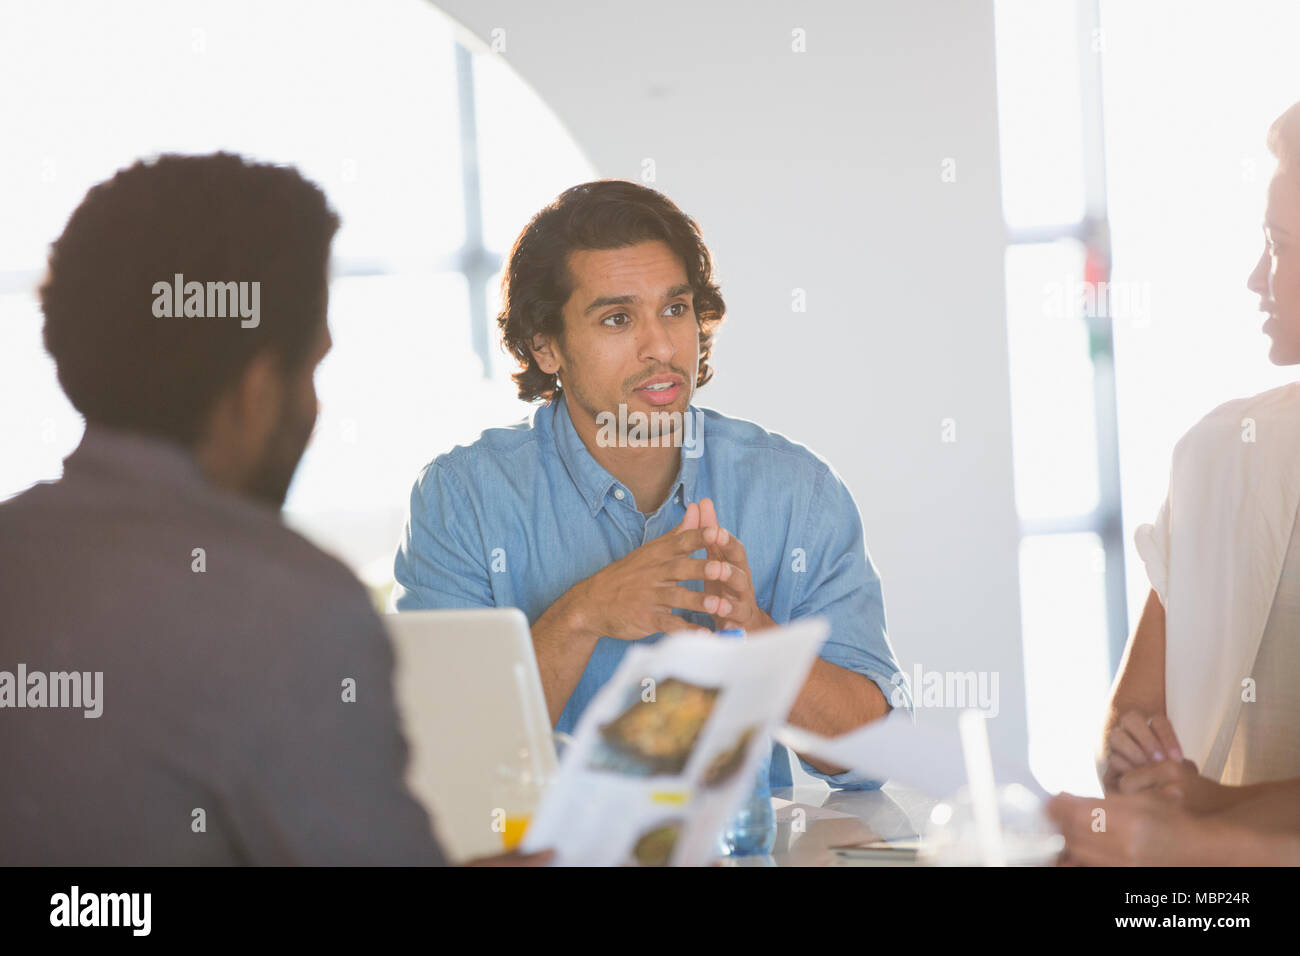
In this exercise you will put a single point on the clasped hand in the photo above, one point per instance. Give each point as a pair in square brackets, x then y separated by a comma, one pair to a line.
[637, 594]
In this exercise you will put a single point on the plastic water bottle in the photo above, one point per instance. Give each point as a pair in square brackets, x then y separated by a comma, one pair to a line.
[752, 831]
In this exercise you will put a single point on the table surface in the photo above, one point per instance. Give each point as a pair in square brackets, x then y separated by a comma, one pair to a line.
[893, 812]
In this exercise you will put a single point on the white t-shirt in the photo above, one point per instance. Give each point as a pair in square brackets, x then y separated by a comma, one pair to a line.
[1266, 739]
[1225, 563]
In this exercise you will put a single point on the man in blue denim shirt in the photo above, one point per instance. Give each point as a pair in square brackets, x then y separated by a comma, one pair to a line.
[587, 517]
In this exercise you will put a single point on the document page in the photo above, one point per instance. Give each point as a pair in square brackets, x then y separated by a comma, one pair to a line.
[670, 748]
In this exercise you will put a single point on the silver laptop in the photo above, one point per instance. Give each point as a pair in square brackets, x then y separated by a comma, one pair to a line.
[475, 717]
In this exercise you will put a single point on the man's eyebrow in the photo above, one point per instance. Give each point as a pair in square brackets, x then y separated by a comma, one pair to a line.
[604, 300]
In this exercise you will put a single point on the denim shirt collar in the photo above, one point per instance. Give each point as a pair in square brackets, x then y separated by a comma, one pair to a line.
[593, 481]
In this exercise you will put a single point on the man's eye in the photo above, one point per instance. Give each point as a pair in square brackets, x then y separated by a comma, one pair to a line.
[681, 307]
[609, 319]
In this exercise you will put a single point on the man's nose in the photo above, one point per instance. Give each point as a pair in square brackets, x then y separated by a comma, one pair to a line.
[656, 342]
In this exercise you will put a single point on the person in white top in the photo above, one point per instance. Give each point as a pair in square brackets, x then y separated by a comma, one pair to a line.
[1209, 679]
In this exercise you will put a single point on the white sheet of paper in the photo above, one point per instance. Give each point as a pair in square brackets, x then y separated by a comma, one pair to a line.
[896, 749]
[604, 804]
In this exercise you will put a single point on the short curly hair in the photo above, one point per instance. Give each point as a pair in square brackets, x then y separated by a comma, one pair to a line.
[604, 214]
[214, 217]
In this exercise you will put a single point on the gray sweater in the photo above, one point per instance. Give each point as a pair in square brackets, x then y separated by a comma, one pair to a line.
[224, 735]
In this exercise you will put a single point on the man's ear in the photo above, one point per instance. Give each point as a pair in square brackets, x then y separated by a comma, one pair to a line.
[248, 412]
[241, 422]
[259, 392]
[545, 354]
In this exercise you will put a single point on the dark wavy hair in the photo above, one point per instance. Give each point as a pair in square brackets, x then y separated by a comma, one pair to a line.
[605, 214]
[210, 218]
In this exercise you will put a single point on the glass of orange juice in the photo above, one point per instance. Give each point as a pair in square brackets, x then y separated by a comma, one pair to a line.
[516, 794]
[515, 827]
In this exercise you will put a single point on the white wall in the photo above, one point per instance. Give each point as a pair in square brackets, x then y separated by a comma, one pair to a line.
[822, 171]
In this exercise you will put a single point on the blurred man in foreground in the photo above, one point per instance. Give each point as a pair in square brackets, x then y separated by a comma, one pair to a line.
[188, 681]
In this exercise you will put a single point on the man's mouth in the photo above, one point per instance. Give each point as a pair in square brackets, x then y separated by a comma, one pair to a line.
[661, 391]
